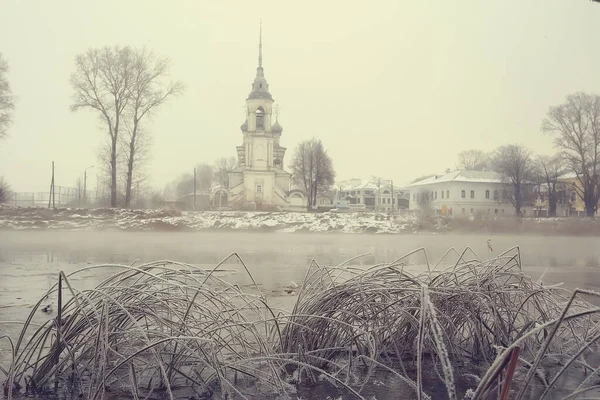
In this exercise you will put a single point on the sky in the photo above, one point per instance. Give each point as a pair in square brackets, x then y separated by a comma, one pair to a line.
[393, 88]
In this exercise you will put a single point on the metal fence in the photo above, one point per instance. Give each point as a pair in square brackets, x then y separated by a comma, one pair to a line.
[63, 197]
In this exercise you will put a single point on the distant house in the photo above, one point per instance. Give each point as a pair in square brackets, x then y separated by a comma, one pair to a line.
[570, 186]
[376, 194]
[465, 193]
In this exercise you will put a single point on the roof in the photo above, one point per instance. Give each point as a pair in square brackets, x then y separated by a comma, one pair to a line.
[370, 184]
[568, 175]
[462, 176]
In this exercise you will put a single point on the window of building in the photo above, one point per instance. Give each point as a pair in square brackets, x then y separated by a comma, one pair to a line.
[462, 194]
[487, 194]
[358, 200]
[442, 194]
[436, 195]
[495, 195]
[573, 197]
[260, 118]
[503, 211]
[472, 211]
[447, 194]
[496, 211]
[258, 188]
[472, 194]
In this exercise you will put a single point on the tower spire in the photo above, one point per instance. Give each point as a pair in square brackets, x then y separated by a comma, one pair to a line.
[260, 45]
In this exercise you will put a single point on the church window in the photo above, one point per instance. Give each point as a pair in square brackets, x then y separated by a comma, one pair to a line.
[261, 85]
[258, 188]
[462, 194]
[487, 194]
[260, 118]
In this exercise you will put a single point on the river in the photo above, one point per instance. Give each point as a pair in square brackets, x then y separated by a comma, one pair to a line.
[30, 260]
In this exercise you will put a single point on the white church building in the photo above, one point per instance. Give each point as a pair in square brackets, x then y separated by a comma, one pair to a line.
[260, 181]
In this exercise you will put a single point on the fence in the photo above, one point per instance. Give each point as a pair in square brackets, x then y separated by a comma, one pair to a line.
[63, 197]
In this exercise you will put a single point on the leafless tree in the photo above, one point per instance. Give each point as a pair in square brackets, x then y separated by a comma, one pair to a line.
[575, 125]
[148, 91]
[516, 164]
[4, 190]
[184, 184]
[424, 202]
[223, 166]
[312, 169]
[473, 160]
[549, 169]
[102, 82]
[6, 99]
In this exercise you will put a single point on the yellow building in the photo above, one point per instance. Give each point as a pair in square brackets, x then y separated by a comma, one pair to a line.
[573, 188]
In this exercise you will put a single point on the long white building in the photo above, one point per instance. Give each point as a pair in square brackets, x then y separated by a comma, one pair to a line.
[465, 193]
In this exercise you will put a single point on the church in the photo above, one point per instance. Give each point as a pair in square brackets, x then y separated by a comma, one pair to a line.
[260, 181]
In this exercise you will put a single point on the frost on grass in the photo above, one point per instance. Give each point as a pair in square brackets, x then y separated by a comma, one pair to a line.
[174, 329]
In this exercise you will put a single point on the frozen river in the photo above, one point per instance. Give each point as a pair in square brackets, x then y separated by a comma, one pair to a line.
[30, 261]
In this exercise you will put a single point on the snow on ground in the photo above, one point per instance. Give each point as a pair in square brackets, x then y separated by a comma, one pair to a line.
[147, 220]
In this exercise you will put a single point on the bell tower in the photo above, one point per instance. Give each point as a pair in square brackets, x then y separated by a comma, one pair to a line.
[260, 176]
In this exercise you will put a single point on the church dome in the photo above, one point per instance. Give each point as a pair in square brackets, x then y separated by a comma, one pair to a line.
[276, 128]
[244, 126]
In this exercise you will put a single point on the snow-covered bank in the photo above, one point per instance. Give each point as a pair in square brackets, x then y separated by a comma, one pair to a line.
[147, 220]
[288, 222]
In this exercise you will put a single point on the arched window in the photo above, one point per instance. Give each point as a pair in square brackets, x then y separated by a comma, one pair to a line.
[487, 194]
[260, 118]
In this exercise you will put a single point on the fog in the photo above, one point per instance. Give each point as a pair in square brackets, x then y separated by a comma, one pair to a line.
[395, 89]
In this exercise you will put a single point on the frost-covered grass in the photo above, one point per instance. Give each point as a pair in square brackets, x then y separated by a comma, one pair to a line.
[174, 330]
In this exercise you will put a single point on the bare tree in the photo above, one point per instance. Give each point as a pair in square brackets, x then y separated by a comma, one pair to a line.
[549, 169]
[6, 99]
[4, 190]
[148, 91]
[312, 169]
[102, 82]
[184, 184]
[223, 166]
[473, 160]
[515, 163]
[424, 202]
[575, 125]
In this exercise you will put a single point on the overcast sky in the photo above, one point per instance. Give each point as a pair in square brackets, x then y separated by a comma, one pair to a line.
[393, 88]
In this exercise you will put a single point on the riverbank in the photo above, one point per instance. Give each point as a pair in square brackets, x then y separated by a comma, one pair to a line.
[165, 220]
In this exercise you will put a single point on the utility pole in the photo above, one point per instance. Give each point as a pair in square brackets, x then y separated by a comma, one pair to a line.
[379, 194]
[85, 186]
[194, 189]
[392, 196]
[51, 193]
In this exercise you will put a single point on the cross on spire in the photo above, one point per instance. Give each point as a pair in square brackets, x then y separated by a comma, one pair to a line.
[260, 45]
[277, 109]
